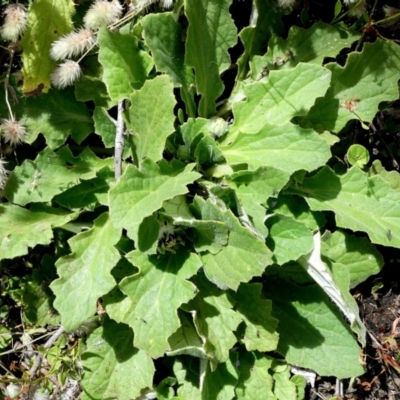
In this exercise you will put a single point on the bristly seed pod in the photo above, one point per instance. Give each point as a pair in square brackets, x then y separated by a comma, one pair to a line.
[73, 44]
[13, 132]
[15, 22]
[102, 13]
[66, 74]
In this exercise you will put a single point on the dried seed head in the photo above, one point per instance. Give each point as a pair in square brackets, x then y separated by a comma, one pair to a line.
[13, 132]
[102, 13]
[14, 23]
[66, 74]
[73, 44]
[3, 179]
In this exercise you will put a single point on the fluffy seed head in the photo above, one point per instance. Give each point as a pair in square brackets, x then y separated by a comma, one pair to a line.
[167, 3]
[286, 3]
[73, 44]
[13, 132]
[3, 179]
[391, 12]
[355, 9]
[102, 13]
[14, 22]
[66, 74]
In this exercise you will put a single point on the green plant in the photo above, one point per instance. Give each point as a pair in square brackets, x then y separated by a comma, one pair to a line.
[199, 234]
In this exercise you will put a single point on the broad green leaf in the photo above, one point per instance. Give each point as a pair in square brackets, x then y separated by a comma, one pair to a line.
[209, 235]
[360, 203]
[357, 155]
[138, 193]
[392, 177]
[214, 319]
[89, 193]
[356, 254]
[285, 147]
[283, 387]
[210, 34]
[253, 188]
[56, 115]
[125, 66]
[37, 298]
[81, 282]
[304, 45]
[300, 381]
[109, 360]
[186, 340]
[244, 249]
[187, 372]
[163, 35]
[288, 239]
[265, 21]
[151, 118]
[90, 85]
[48, 20]
[212, 389]
[104, 126]
[297, 208]
[193, 131]
[287, 94]
[207, 152]
[335, 284]
[50, 174]
[255, 380]
[156, 292]
[177, 207]
[310, 327]
[367, 79]
[21, 228]
[260, 333]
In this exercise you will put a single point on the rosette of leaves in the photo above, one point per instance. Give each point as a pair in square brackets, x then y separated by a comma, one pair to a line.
[206, 252]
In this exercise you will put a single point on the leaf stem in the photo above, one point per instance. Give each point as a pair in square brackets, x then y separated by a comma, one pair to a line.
[119, 141]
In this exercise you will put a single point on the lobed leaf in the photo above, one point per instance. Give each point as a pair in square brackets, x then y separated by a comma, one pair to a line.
[287, 94]
[140, 192]
[109, 359]
[125, 66]
[356, 254]
[367, 79]
[310, 327]
[244, 250]
[155, 294]
[23, 228]
[288, 239]
[151, 125]
[310, 46]
[50, 174]
[163, 35]
[210, 34]
[360, 203]
[260, 333]
[85, 274]
[288, 148]
[47, 21]
[214, 319]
